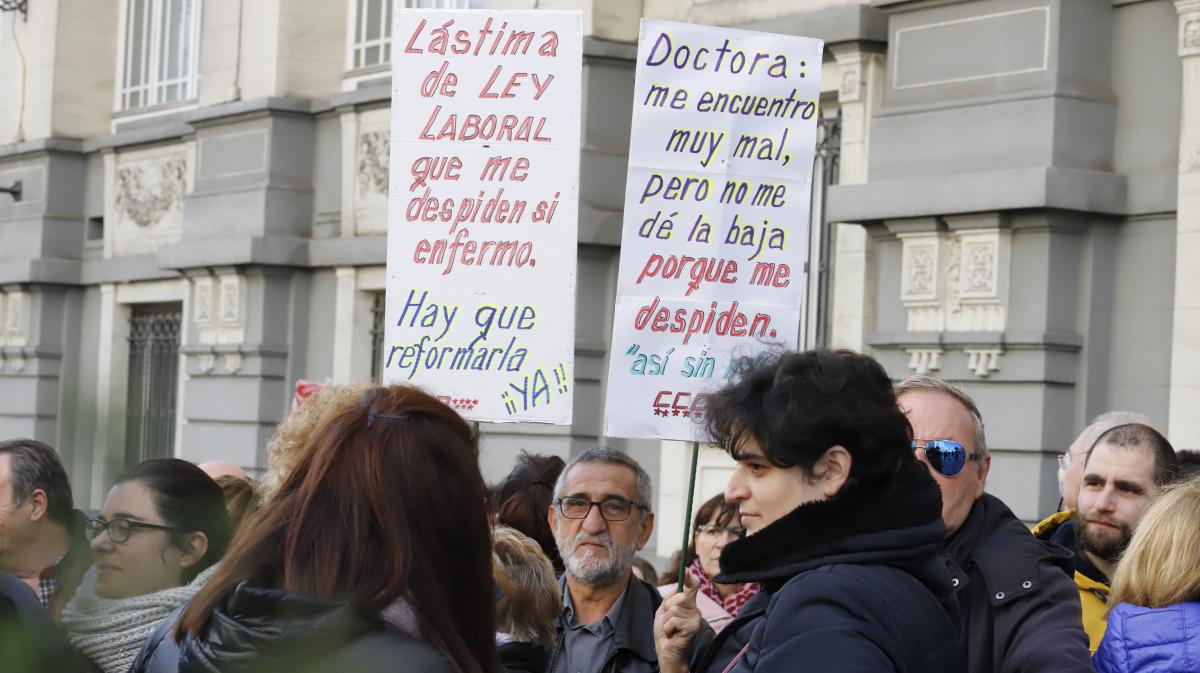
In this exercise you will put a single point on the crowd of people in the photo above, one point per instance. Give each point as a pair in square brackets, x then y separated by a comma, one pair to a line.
[854, 534]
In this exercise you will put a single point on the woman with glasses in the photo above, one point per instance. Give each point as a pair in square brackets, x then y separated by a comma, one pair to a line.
[716, 525]
[1154, 606]
[162, 529]
[373, 554]
[843, 529]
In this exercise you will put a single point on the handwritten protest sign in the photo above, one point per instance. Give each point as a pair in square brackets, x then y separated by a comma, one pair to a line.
[716, 217]
[483, 210]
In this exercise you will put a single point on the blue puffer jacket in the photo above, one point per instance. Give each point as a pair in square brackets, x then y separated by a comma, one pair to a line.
[1148, 640]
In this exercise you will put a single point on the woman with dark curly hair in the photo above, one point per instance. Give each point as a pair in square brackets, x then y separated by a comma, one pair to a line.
[844, 529]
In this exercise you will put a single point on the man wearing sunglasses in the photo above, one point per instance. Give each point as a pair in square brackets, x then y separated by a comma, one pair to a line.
[1019, 609]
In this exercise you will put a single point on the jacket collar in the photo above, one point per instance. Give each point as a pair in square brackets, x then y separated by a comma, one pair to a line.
[634, 630]
[254, 624]
[899, 523]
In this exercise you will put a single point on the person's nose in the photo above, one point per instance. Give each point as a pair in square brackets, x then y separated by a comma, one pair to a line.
[594, 523]
[1107, 502]
[101, 543]
[735, 488]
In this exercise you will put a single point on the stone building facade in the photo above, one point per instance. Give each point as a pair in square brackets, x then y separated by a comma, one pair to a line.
[202, 215]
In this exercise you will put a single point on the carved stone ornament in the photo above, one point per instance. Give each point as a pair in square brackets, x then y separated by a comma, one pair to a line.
[979, 261]
[924, 360]
[953, 274]
[1191, 33]
[233, 362]
[983, 361]
[851, 89]
[203, 311]
[146, 202]
[206, 362]
[374, 152]
[919, 278]
[12, 318]
[231, 300]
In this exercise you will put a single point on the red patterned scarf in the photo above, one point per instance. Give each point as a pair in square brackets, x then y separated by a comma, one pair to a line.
[734, 602]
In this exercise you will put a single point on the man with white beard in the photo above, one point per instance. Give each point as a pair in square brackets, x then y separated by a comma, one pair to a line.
[601, 517]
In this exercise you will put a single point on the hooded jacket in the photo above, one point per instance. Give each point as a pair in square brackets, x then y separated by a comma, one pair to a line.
[1020, 609]
[853, 583]
[1148, 640]
[275, 631]
[1059, 528]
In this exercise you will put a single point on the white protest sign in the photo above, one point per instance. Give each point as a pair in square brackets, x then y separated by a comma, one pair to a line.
[482, 219]
[716, 217]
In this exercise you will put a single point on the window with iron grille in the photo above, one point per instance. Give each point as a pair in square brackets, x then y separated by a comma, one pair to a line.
[378, 329]
[153, 382]
[160, 53]
[372, 27]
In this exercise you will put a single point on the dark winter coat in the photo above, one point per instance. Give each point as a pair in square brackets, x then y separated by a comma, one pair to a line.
[522, 658]
[633, 637]
[274, 631]
[73, 566]
[160, 652]
[1148, 640]
[854, 583]
[29, 639]
[1019, 606]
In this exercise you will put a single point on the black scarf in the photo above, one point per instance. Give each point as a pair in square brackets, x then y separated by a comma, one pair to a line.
[898, 523]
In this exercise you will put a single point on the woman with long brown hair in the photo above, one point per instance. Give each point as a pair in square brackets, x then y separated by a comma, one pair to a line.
[374, 553]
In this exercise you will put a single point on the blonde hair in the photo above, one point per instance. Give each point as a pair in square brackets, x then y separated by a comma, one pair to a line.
[1158, 568]
[287, 446]
[241, 501]
[529, 599]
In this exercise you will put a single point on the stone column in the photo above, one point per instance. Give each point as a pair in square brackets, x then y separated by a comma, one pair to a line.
[1184, 428]
[860, 89]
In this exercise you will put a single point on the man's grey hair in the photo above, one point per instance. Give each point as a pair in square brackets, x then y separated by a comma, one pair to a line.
[1102, 424]
[918, 383]
[607, 456]
[35, 466]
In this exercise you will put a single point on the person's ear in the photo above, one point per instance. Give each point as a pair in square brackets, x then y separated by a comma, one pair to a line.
[834, 469]
[985, 465]
[647, 529]
[39, 505]
[552, 518]
[195, 545]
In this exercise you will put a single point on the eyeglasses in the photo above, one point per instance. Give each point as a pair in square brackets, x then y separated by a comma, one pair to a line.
[946, 456]
[717, 530]
[118, 529]
[612, 509]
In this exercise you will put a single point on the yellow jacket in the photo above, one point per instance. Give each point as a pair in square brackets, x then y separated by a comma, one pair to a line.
[1093, 595]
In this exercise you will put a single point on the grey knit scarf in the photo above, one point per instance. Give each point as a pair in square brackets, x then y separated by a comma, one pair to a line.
[110, 632]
